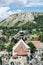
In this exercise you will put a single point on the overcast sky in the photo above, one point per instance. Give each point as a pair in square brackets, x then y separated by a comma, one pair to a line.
[8, 7]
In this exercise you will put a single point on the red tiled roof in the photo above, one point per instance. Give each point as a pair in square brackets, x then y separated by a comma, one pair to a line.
[22, 52]
[36, 43]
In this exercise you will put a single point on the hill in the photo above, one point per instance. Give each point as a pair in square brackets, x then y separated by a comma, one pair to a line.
[27, 20]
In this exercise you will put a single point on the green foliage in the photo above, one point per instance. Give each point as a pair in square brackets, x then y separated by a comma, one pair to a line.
[32, 47]
[28, 26]
[42, 54]
[16, 24]
[42, 58]
[14, 40]
[4, 39]
[10, 31]
[9, 48]
[2, 47]
[39, 21]
[40, 37]
[0, 60]
[12, 63]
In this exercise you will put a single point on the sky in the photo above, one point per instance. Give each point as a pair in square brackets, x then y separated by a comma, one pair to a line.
[9, 7]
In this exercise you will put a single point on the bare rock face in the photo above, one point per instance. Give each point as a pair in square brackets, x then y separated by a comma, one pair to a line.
[21, 17]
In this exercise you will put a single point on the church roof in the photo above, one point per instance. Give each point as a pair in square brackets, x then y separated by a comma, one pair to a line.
[21, 52]
[19, 42]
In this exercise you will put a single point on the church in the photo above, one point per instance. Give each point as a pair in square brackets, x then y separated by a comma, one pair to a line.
[21, 51]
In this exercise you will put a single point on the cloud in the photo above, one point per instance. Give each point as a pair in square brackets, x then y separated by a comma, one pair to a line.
[5, 2]
[5, 6]
[21, 3]
[34, 4]
[17, 11]
[16, 3]
[5, 12]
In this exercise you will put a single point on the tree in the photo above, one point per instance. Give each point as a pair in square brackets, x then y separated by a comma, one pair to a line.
[32, 47]
[12, 63]
[0, 60]
[14, 40]
[41, 37]
[9, 48]
[2, 47]
[4, 39]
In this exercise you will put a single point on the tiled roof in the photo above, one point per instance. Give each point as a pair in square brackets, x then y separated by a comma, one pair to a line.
[19, 42]
[37, 43]
[22, 52]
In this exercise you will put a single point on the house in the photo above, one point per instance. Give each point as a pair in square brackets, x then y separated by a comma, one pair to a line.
[38, 45]
[21, 51]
